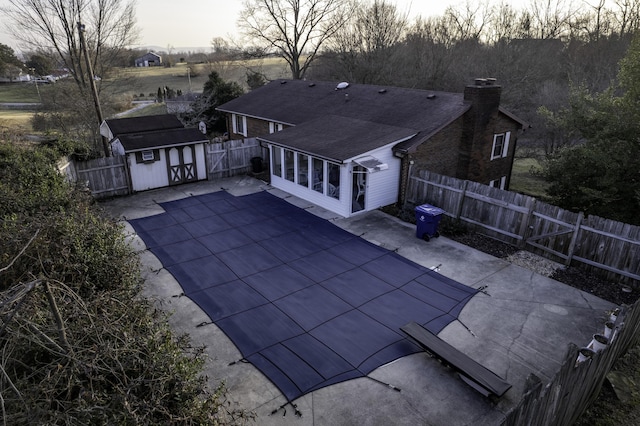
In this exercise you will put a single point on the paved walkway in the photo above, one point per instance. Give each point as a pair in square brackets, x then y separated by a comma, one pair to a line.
[522, 325]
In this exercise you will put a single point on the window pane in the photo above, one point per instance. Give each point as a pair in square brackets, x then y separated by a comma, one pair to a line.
[318, 175]
[239, 124]
[288, 164]
[303, 169]
[333, 189]
[498, 144]
[276, 161]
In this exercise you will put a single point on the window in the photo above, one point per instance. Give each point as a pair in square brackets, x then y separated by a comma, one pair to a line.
[500, 145]
[275, 127]
[239, 124]
[498, 183]
[276, 160]
[147, 156]
[333, 189]
[318, 175]
[288, 164]
[303, 169]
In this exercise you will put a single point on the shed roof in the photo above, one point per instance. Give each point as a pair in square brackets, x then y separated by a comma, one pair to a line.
[122, 126]
[132, 142]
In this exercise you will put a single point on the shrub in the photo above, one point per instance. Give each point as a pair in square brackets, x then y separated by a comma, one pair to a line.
[79, 344]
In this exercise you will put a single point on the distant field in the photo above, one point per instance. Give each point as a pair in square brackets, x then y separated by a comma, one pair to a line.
[191, 78]
[21, 92]
[128, 82]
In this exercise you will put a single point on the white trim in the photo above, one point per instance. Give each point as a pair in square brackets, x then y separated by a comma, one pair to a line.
[234, 123]
[498, 183]
[275, 127]
[504, 149]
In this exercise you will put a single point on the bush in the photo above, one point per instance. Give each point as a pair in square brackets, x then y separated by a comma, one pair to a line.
[79, 344]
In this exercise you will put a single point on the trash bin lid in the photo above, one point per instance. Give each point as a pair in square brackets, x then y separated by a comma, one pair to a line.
[429, 210]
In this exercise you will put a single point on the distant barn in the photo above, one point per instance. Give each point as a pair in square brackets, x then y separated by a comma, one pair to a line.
[149, 60]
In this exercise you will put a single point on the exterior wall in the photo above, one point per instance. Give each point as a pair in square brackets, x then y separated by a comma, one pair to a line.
[499, 167]
[148, 175]
[463, 149]
[382, 187]
[255, 128]
[341, 206]
[153, 175]
[440, 154]
[201, 161]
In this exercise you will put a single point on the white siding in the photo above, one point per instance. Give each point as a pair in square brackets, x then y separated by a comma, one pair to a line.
[201, 161]
[341, 206]
[148, 175]
[382, 186]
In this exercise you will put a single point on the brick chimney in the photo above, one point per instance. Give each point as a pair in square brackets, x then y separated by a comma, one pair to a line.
[484, 96]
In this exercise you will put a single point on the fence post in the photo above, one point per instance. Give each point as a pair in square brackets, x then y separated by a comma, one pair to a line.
[526, 220]
[574, 238]
[463, 195]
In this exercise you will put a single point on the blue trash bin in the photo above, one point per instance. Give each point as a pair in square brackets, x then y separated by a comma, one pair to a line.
[427, 220]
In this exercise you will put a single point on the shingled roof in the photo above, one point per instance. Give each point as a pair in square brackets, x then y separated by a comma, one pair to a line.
[162, 138]
[380, 113]
[122, 126]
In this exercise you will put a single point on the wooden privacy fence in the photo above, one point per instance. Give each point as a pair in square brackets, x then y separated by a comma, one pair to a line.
[109, 176]
[232, 158]
[576, 385]
[105, 177]
[601, 245]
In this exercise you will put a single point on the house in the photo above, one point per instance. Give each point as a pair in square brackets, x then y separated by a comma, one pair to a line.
[149, 60]
[351, 147]
[159, 150]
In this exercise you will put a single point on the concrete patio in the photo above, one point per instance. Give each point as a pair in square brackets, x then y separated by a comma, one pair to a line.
[521, 324]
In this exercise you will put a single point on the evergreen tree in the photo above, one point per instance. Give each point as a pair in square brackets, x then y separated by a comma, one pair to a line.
[602, 175]
[215, 92]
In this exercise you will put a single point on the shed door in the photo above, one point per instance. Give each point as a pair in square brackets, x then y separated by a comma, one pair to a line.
[181, 165]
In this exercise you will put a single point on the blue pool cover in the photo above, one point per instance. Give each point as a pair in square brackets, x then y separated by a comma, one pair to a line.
[306, 302]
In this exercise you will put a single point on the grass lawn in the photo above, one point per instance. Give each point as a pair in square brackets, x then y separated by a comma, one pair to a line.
[16, 119]
[524, 178]
[22, 92]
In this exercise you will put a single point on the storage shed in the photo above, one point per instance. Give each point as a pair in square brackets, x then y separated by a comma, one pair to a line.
[159, 155]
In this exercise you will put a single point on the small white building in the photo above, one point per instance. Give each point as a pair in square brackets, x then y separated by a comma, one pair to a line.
[159, 151]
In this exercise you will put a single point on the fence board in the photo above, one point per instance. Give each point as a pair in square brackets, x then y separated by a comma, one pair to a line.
[232, 158]
[607, 247]
[575, 386]
[105, 177]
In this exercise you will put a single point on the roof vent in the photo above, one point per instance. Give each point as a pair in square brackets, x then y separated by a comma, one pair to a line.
[342, 85]
[382, 91]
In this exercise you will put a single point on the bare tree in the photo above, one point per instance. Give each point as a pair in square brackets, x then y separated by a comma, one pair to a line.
[363, 49]
[550, 18]
[468, 22]
[53, 25]
[293, 29]
[628, 16]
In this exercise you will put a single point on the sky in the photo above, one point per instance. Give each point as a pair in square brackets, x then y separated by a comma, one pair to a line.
[194, 23]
